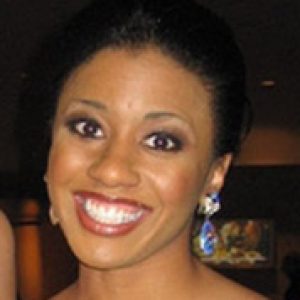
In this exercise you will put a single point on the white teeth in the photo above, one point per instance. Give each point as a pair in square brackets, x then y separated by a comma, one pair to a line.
[110, 215]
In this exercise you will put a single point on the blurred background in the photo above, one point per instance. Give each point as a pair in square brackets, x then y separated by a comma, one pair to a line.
[264, 184]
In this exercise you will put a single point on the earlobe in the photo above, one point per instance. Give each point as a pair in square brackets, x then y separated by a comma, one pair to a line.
[52, 216]
[45, 178]
[218, 173]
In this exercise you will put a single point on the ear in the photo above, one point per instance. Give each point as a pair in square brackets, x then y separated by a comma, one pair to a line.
[217, 174]
[52, 216]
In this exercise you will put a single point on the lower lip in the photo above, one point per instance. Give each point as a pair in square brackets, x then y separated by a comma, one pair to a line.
[101, 229]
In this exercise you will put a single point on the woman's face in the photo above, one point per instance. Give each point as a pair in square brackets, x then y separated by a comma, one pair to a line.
[131, 155]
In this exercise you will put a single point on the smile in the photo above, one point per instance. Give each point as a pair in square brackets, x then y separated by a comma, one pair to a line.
[106, 216]
[110, 214]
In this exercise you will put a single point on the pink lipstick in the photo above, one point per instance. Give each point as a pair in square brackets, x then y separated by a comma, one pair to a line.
[105, 216]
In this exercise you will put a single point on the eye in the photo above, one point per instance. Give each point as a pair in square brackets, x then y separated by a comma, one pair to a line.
[85, 127]
[163, 141]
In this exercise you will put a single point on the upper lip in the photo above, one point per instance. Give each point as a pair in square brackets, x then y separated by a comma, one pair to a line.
[82, 195]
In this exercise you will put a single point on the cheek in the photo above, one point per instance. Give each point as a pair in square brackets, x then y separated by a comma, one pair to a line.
[179, 185]
[64, 163]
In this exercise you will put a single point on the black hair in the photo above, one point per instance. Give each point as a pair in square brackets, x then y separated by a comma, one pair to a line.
[191, 34]
[291, 266]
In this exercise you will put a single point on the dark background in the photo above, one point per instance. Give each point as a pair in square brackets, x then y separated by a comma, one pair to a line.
[267, 31]
[265, 184]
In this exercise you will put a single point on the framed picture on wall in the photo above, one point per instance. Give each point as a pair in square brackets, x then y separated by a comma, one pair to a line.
[240, 243]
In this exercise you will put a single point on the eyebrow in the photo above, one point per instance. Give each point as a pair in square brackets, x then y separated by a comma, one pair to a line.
[164, 114]
[149, 116]
[92, 103]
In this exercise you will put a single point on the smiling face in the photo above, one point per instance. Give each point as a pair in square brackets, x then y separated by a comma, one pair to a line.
[131, 154]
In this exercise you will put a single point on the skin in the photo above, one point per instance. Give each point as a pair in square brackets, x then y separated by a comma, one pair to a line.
[7, 260]
[130, 96]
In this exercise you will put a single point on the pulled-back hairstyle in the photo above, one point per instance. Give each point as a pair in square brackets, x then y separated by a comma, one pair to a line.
[189, 33]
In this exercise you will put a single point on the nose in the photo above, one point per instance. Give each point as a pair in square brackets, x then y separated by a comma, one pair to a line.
[115, 167]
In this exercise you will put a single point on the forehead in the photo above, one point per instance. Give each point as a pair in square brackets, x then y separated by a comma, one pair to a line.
[144, 77]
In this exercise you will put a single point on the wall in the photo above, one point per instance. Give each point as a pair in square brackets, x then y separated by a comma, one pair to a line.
[271, 146]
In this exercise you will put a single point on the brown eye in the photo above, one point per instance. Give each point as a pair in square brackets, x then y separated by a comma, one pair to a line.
[163, 141]
[86, 128]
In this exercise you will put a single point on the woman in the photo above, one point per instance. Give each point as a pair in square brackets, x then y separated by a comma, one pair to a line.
[150, 110]
[7, 260]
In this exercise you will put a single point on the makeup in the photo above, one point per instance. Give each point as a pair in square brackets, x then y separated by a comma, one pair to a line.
[107, 216]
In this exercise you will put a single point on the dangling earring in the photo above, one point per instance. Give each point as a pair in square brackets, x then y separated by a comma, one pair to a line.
[52, 216]
[208, 205]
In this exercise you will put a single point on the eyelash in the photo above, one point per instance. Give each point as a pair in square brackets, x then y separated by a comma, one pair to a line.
[163, 141]
[90, 129]
[85, 128]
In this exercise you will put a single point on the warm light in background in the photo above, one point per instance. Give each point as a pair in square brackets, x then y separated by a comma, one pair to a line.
[267, 146]
[29, 258]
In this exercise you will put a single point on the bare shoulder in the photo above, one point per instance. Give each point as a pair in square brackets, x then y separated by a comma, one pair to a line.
[224, 288]
[5, 225]
[66, 294]
[7, 259]
[6, 235]
[60, 296]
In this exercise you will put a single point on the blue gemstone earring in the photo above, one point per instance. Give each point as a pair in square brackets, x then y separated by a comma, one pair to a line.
[208, 205]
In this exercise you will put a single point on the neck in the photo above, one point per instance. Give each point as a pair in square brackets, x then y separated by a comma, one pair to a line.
[167, 274]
